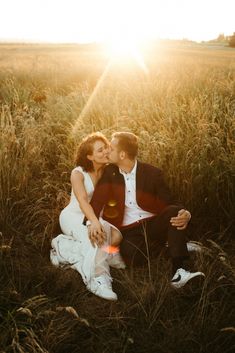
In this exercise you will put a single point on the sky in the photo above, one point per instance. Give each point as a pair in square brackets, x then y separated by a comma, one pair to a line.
[114, 20]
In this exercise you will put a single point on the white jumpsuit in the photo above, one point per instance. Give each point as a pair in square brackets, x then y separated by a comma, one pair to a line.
[73, 247]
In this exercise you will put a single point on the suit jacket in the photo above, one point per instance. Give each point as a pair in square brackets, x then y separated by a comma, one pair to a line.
[152, 194]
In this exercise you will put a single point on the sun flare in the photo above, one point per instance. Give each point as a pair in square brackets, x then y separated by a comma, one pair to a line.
[123, 50]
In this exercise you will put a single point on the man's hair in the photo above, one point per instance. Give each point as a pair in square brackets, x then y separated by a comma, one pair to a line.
[86, 148]
[127, 142]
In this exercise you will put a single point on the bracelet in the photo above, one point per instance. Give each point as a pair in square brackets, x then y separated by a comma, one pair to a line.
[88, 223]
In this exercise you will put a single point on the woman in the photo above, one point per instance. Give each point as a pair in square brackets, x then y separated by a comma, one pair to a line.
[74, 247]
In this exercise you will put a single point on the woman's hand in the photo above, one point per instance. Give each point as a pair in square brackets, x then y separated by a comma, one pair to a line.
[181, 220]
[96, 233]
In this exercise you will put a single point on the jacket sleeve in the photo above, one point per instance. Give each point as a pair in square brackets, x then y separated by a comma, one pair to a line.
[163, 191]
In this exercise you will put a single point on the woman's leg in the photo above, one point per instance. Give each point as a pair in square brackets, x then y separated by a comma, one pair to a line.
[116, 237]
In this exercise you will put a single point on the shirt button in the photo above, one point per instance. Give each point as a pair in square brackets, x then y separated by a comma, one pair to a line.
[129, 190]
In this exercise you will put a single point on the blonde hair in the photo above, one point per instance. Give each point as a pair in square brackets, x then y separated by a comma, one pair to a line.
[127, 142]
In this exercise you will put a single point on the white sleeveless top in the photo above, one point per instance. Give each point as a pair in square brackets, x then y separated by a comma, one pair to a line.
[89, 186]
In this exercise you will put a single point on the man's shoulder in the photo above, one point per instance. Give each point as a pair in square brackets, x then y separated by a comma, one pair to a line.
[109, 169]
[146, 167]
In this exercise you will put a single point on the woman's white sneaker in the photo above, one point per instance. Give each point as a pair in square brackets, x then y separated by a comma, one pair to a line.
[181, 277]
[102, 287]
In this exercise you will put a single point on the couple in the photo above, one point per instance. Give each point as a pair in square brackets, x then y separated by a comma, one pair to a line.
[124, 206]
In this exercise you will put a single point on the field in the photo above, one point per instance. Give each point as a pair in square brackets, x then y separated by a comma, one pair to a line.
[182, 107]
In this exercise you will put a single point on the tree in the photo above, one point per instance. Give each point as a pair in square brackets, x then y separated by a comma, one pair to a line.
[231, 42]
[220, 38]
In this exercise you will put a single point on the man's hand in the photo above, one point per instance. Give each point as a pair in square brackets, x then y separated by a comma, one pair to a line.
[181, 220]
[96, 233]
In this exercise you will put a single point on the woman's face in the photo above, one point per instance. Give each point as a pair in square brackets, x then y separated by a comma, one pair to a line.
[100, 153]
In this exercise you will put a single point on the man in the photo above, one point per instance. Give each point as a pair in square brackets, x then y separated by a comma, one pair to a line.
[134, 197]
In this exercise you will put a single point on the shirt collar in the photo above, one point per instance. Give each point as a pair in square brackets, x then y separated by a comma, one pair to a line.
[132, 172]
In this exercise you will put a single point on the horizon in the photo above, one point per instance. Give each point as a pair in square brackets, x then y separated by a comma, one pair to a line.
[152, 40]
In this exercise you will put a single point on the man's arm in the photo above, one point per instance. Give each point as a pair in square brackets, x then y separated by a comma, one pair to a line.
[163, 191]
[182, 219]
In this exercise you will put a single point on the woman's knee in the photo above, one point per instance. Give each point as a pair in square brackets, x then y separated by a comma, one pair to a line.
[116, 237]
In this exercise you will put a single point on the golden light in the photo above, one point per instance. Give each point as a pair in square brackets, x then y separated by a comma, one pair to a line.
[124, 49]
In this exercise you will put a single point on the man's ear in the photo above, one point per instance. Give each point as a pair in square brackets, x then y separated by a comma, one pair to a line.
[122, 155]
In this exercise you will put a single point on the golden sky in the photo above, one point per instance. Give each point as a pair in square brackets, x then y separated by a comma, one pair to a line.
[115, 20]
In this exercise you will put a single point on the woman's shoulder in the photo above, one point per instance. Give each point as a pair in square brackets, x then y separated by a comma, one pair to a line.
[78, 170]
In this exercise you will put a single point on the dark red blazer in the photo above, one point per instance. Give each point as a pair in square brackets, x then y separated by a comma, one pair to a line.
[152, 193]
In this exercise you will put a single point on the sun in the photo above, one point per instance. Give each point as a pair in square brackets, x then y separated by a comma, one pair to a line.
[122, 49]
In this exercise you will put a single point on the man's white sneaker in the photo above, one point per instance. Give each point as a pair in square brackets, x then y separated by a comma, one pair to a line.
[116, 261]
[181, 277]
[192, 246]
[102, 287]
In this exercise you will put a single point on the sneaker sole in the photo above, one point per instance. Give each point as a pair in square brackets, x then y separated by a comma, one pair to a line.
[177, 285]
[103, 297]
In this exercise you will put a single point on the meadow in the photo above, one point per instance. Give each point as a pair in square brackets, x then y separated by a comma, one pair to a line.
[182, 107]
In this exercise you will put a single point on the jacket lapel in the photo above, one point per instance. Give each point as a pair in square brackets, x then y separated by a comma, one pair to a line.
[139, 177]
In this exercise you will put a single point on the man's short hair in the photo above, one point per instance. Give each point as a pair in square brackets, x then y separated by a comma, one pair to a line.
[127, 142]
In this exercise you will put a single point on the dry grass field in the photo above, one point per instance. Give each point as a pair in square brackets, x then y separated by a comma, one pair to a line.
[183, 110]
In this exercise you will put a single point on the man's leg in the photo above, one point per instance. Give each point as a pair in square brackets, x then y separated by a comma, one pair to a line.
[150, 236]
[133, 246]
[160, 231]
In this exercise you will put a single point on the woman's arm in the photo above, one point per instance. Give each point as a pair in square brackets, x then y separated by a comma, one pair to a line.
[77, 181]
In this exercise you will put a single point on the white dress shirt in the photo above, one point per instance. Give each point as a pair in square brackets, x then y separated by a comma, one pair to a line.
[132, 212]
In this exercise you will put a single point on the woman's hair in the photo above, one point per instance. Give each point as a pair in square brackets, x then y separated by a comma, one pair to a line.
[86, 148]
[127, 142]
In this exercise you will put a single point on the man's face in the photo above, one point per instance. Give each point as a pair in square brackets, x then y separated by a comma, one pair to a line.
[114, 153]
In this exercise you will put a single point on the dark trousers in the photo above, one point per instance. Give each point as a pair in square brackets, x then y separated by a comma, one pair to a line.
[148, 236]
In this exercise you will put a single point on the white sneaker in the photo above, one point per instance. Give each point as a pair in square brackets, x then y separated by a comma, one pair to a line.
[102, 287]
[193, 246]
[116, 261]
[55, 257]
[181, 277]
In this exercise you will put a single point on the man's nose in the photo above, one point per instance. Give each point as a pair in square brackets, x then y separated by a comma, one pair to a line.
[107, 150]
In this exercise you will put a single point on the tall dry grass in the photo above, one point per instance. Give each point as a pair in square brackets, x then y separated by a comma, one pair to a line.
[183, 111]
